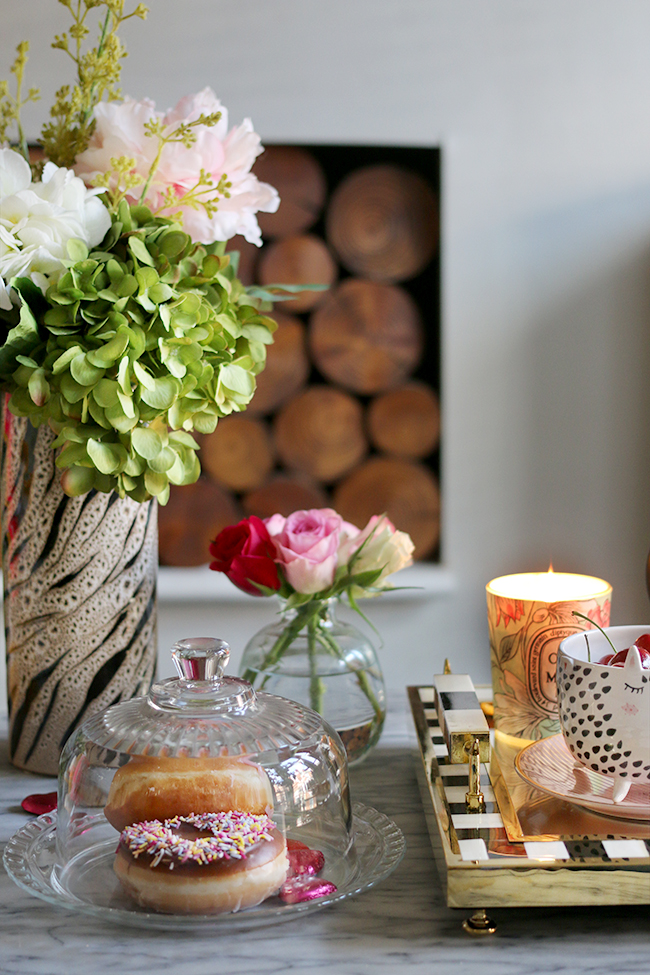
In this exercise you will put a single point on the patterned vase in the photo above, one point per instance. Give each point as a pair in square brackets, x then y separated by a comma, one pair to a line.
[79, 598]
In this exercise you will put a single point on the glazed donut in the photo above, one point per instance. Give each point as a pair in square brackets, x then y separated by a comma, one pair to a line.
[161, 788]
[209, 864]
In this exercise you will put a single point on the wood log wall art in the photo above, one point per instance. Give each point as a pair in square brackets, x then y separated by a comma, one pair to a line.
[346, 413]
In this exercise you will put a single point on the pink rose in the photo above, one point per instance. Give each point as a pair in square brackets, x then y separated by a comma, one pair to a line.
[119, 131]
[307, 544]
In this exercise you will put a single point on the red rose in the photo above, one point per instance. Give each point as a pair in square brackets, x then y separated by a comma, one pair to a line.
[246, 554]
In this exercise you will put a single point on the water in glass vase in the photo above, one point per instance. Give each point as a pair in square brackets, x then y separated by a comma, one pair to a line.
[310, 656]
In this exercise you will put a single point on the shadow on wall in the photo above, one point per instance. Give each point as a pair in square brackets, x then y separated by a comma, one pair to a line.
[586, 495]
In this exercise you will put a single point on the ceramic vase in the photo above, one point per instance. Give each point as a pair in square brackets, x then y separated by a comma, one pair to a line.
[79, 598]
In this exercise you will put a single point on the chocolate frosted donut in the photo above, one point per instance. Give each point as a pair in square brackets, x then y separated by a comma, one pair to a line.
[149, 788]
[207, 864]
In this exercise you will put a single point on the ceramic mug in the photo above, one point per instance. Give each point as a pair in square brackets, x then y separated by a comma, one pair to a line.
[605, 711]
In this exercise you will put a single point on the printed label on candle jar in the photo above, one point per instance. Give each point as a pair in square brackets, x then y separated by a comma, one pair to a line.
[542, 663]
[525, 635]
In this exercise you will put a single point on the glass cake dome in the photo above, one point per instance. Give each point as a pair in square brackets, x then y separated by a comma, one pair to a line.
[200, 743]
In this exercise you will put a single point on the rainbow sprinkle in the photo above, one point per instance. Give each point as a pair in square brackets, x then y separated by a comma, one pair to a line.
[233, 833]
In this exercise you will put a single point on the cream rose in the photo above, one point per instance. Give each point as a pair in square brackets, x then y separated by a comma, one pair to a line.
[380, 546]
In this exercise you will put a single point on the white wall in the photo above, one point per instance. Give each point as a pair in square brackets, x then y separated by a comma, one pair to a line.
[542, 108]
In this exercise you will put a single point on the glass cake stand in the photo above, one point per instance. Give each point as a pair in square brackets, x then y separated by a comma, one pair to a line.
[87, 884]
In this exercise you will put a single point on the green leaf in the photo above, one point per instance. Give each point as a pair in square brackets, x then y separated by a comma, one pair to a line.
[183, 439]
[205, 422]
[123, 375]
[108, 458]
[145, 378]
[155, 483]
[163, 461]
[25, 360]
[173, 243]
[66, 357]
[163, 394]
[83, 372]
[107, 354]
[105, 393]
[77, 250]
[126, 402]
[146, 442]
[160, 292]
[119, 420]
[77, 481]
[71, 390]
[237, 379]
[23, 337]
[39, 388]
[146, 277]
[140, 252]
[135, 466]
[127, 286]
[258, 333]
[73, 453]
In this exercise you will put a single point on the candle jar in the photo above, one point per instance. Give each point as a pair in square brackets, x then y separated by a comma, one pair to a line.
[529, 614]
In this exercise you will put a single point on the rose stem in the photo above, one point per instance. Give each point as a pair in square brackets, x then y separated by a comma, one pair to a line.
[361, 675]
[286, 638]
[315, 682]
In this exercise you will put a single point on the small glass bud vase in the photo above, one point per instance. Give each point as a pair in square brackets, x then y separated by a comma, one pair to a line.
[310, 656]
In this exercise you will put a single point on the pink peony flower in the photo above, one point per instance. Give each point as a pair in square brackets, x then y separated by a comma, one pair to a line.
[307, 544]
[120, 131]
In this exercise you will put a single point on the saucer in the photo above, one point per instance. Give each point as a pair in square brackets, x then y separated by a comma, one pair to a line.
[548, 765]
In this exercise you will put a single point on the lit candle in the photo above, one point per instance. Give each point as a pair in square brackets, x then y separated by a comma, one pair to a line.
[529, 614]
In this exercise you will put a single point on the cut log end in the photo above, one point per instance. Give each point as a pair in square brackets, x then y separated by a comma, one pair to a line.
[382, 222]
[239, 454]
[300, 181]
[405, 422]
[320, 433]
[282, 496]
[407, 492]
[287, 366]
[298, 260]
[366, 337]
[191, 519]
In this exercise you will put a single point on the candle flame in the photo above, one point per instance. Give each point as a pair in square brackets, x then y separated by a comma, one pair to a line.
[550, 567]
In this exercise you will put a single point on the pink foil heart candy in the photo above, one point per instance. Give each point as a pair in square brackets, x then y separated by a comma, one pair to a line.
[299, 889]
[296, 845]
[39, 803]
[306, 861]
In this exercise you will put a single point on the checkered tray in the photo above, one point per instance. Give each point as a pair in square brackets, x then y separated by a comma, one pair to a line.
[526, 849]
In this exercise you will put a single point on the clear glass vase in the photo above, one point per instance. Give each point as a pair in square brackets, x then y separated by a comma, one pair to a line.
[310, 656]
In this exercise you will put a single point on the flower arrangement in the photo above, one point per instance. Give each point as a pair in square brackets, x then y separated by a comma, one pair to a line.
[309, 559]
[123, 325]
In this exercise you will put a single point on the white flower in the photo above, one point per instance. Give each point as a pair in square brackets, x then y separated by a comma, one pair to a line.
[38, 219]
[385, 548]
[119, 131]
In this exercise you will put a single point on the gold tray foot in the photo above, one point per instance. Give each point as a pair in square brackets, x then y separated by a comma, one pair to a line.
[479, 924]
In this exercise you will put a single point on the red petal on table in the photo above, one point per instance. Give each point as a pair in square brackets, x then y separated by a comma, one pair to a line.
[296, 845]
[306, 861]
[39, 803]
[298, 889]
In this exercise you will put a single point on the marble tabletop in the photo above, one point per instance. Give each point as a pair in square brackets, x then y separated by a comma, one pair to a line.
[402, 925]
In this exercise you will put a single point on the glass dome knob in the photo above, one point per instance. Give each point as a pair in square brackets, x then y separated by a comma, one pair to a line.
[201, 658]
